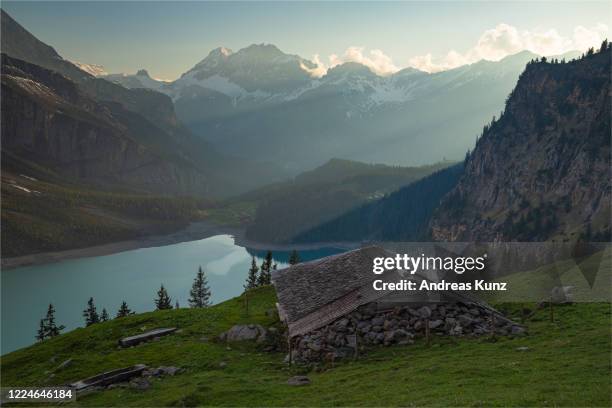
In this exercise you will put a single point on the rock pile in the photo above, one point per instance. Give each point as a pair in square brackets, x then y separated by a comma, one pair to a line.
[398, 326]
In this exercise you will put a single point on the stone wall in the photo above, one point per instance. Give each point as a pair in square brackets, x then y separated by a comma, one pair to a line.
[398, 326]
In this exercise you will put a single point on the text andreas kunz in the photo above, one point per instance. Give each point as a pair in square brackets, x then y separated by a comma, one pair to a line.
[412, 265]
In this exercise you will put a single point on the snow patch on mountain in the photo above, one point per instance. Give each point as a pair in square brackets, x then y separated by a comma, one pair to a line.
[92, 69]
[215, 83]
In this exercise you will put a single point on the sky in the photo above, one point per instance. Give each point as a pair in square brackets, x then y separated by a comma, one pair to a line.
[168, 38]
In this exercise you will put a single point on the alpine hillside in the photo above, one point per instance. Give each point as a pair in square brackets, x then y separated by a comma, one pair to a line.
[541, 171]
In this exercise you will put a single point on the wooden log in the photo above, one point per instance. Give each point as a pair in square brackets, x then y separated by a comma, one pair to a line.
[150, 335]
[109, 377]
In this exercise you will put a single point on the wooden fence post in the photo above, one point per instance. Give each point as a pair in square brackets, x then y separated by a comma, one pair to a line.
[289, 347]
[246, 301]
[552, 315]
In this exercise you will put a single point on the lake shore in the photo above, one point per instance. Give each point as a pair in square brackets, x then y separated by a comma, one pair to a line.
[241, 240]
[195, 231]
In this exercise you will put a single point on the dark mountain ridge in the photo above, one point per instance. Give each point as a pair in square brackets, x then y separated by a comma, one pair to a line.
[286, 210]
[542, 170]
[400, 216]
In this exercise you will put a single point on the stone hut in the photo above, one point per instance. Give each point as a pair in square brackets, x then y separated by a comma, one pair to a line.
[331, 308]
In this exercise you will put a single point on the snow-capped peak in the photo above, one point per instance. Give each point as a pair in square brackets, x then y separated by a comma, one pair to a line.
[92, 69]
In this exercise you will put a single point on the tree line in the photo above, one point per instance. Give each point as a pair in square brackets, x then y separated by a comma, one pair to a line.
[199, 297]
[261, 276]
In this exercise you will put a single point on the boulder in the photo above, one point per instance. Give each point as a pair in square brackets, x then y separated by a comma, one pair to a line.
[244, 332]
[465, 320]
[299, 380]
[562, 294]
[140, 383]
[169, 370]
[403, 323]
[390, 324]
[425, 312]
[315, 346]
[434, 324]
[456, 330]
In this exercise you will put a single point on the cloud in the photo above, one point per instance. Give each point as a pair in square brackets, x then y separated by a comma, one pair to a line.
[376, 60]
[319, 70]
[503, 40]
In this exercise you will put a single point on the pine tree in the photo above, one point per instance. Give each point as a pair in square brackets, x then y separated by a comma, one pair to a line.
[269, 259]
[124, 310]
[294, 258]
[90, 314]
[41, 334]
[163, 301]
[604, 45]
[104, 315]
[51, 329]
[262, 277]
[200, 291]
[251, 281]
[265, 277]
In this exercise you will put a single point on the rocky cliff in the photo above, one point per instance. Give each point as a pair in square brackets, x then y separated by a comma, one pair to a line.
[48, 120]
[542, 170]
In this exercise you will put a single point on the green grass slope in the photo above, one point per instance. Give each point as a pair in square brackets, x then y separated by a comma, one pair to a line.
[41, 212]
[567, 364]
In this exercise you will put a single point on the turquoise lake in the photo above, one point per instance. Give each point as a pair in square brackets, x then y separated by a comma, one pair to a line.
[133, 276]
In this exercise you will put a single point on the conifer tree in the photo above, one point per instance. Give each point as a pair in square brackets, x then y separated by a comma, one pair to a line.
[163, 301]
[51, 329]
[251, 281]
[104, 315]
[200, 291]
[265, 276]
[124, 310]
[90, 314]
[269, 260]
[41, 334]
[294, 258]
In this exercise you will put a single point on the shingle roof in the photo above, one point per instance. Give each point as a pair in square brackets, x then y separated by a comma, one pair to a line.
[306, 287]
[312, 294]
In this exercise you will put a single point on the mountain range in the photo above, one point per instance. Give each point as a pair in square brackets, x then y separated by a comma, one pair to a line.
[99, 132]
[539, 172]
[259, 102]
